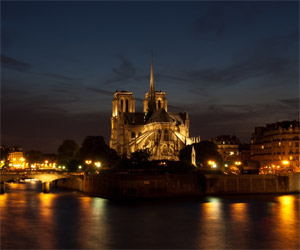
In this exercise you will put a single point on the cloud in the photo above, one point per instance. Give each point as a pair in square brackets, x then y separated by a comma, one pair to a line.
[14, 64]
[101, 91]
[292, 102]
[222, 17]
[271, 61]
[57, 76]
[125, 72]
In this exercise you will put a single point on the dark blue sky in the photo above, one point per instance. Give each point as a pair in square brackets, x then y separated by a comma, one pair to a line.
[232, 65]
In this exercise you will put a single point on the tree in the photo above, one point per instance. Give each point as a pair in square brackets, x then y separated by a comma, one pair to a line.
[205, 151]
[34, 156]
[141, 155]
[67, 152]
[94, 148]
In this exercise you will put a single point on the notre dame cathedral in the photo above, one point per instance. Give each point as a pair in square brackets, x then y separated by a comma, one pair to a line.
[163, 133]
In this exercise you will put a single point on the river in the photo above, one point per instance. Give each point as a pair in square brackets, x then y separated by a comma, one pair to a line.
[65, 219]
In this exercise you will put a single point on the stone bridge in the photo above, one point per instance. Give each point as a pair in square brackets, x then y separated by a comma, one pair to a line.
[44, 176]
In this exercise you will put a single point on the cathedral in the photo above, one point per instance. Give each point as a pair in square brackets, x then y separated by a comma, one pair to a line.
[161, 132]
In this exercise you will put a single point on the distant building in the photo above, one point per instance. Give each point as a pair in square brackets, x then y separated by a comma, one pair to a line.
[16, 159]
[228, 147]
[276, 146]
[161, 132]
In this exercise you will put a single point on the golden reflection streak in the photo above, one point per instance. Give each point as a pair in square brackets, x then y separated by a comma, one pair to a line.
[46, 219]
[213, 228]
[286, 217]
[239, 212]
[286, 220]
[93, 225]
[3, 201]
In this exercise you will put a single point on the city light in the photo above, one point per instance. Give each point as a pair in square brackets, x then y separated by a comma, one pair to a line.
[88, 162]
[79, 167]
[238, 163]
[98, 164]
[212, 164]
[285, 162]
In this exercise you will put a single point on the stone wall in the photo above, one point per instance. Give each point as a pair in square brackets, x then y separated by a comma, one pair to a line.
[141, 185]
[243, 184]
[69, 183]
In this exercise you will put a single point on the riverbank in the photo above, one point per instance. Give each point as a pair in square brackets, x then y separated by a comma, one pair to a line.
[168, 185]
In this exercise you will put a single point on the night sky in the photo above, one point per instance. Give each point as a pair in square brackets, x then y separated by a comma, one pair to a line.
[231, 65]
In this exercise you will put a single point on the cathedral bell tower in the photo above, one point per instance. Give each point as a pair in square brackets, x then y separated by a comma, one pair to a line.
[154, 100]
[123, 102]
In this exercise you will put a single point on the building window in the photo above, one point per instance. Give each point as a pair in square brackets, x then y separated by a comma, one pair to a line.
[165, 149]
[127, 106]
[122, 105]
[132, 135]
[159, 104]
[279, 144]
[291, 158]
[166, 135]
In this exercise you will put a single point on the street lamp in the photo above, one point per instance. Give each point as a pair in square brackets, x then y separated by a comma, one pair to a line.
[285, 162]
[98, 164]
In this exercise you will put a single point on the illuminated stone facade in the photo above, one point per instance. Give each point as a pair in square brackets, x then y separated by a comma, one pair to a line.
[228, 147]
[163, 133]
[277, 145]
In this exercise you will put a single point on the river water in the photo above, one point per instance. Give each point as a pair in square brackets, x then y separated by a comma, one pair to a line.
[64, 219]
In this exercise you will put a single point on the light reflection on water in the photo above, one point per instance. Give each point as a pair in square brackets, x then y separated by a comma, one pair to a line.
[68, 219]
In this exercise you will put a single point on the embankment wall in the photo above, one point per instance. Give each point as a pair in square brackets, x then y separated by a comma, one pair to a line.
[141, 185]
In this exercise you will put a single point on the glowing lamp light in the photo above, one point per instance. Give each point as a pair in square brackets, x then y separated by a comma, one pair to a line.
[79, 167]
[88, 162]
[285, 162]
[98, 164]
[237, 163]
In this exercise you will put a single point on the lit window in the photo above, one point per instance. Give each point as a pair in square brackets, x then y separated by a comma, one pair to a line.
[291, 158]
[279, 143]
[262, 147]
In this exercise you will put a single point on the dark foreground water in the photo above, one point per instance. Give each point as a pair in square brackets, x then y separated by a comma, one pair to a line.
[66, 219]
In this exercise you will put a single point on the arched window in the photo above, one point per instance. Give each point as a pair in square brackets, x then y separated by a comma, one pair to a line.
[122, 105]
[159, 104]
[165, 149]
[126, 110]
[166, 135]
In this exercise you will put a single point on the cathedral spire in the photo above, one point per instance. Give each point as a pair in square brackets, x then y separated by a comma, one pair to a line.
[151, 89]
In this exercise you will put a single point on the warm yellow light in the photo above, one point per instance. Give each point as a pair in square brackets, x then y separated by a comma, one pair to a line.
[231, 153]
[238, 163]
[211, 162]
[46, 162]
[22, 159]
[285, 162]
[80, 167]
[88, 161]
[98, 164]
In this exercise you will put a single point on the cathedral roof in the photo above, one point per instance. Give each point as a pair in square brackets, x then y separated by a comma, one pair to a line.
[160, 116]
[134, 118]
